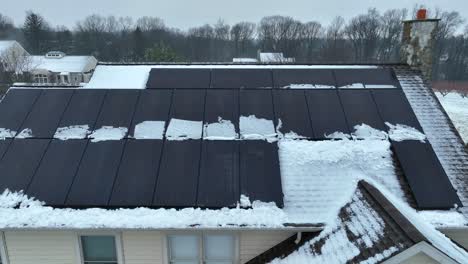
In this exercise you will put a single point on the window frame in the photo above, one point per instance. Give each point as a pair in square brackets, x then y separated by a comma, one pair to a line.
[201, 243]
[3, 249]
[41, 78]
[118, 244]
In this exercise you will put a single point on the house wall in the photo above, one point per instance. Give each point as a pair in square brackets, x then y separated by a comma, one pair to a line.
[138, 247]
[458, 235]
[420, 258]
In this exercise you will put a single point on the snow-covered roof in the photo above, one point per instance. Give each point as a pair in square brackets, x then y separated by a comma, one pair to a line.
[6, 44]
[64, 64]
[245, 60]
[372, 227]
[269, 57]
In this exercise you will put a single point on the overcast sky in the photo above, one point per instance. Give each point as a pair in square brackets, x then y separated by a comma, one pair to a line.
[188, 13]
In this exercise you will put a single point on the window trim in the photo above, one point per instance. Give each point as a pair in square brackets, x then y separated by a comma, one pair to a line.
[3, 249]
[118, 244]
[200, 235]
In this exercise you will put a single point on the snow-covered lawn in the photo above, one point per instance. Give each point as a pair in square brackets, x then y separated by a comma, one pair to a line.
[457, 108]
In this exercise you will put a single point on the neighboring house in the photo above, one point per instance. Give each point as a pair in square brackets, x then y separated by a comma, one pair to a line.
[9, 51]
[58, 68]
[266, 57]
[233, 164]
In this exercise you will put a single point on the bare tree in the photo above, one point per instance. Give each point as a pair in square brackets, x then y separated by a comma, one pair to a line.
[147, 24]
[390, 34]
[363, 32]
[15, 65]
[242, 34]
[280, 33]
[333, 48]
[310, 36]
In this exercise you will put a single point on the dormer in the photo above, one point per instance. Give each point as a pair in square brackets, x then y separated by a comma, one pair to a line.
[55, 55]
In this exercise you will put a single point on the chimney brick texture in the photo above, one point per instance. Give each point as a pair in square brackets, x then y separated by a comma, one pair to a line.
[418, 44]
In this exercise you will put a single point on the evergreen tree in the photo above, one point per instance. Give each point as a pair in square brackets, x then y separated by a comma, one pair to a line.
[36, 31]
[138, 44]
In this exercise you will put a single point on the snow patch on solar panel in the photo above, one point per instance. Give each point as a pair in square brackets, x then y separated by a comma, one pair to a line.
[180, 129]
[72, 132]
[221, 130]
[364, 131]
[400, 132]
[253, 128]
[25, 133]
[108, 133]
[149, 130]
[353, 86]
[308, 86]
[6, 133]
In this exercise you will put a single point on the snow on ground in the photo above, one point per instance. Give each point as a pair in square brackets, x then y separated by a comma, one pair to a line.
[25, 133]
[72, 132]
[6, 133]
[402, 132]
[149, 130]
[108, 133]
[457, 108]
[180, 129]
[221, 130]
[252, 127]
[119, 77]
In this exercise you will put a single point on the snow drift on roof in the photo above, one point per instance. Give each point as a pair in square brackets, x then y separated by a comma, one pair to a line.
[119, 77]
[221, 130]
[6, 133]
[149, 130]
[252, 127]
[108, 133]
[65, 64]
[402, 132]
[25, 133]
[72, 132]
[180, 129]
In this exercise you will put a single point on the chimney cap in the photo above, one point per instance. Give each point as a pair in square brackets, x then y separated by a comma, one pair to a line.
[421, 14]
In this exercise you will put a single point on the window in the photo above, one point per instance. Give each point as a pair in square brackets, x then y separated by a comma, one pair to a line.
[197, 249]
[40, 78]
[99, 249]
[3, 253]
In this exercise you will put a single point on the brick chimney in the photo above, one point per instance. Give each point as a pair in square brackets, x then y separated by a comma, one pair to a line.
[418, 42]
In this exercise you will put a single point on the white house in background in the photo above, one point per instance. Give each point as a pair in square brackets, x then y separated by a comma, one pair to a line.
[266, 57]
[9, 51]
[58, 68]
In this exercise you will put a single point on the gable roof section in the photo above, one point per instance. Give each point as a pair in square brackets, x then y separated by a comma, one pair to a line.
[64, 64]
[368, 229]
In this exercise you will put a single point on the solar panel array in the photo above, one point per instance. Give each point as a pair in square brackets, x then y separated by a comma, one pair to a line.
[165, 173]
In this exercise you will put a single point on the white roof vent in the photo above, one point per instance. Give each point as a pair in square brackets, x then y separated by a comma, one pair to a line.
[55, 55]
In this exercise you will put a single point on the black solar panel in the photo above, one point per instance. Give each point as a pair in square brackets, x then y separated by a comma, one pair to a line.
[257, 102]
[179, 78]
[46, 113]
[260, 177]
[17, 103]
[368, 77]
[291, 108]
[427, 179]
[55, 174]
[83, 108]
[326, 113]
[93, 182]
[137, 174]
[241, 78]
[178, 175]
[395, 108]
[285, 78]
[153, 105]
[188, 105]
[118, 108]
[19, 163]
[359, 108]
[219, 174]
[4, 144]
[222, 104]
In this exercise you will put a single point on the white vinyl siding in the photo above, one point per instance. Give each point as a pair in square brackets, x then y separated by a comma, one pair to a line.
[420, 258]
[41, 247]
[253, 243]
[143, 247]
[3, 251]
[458, 235]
